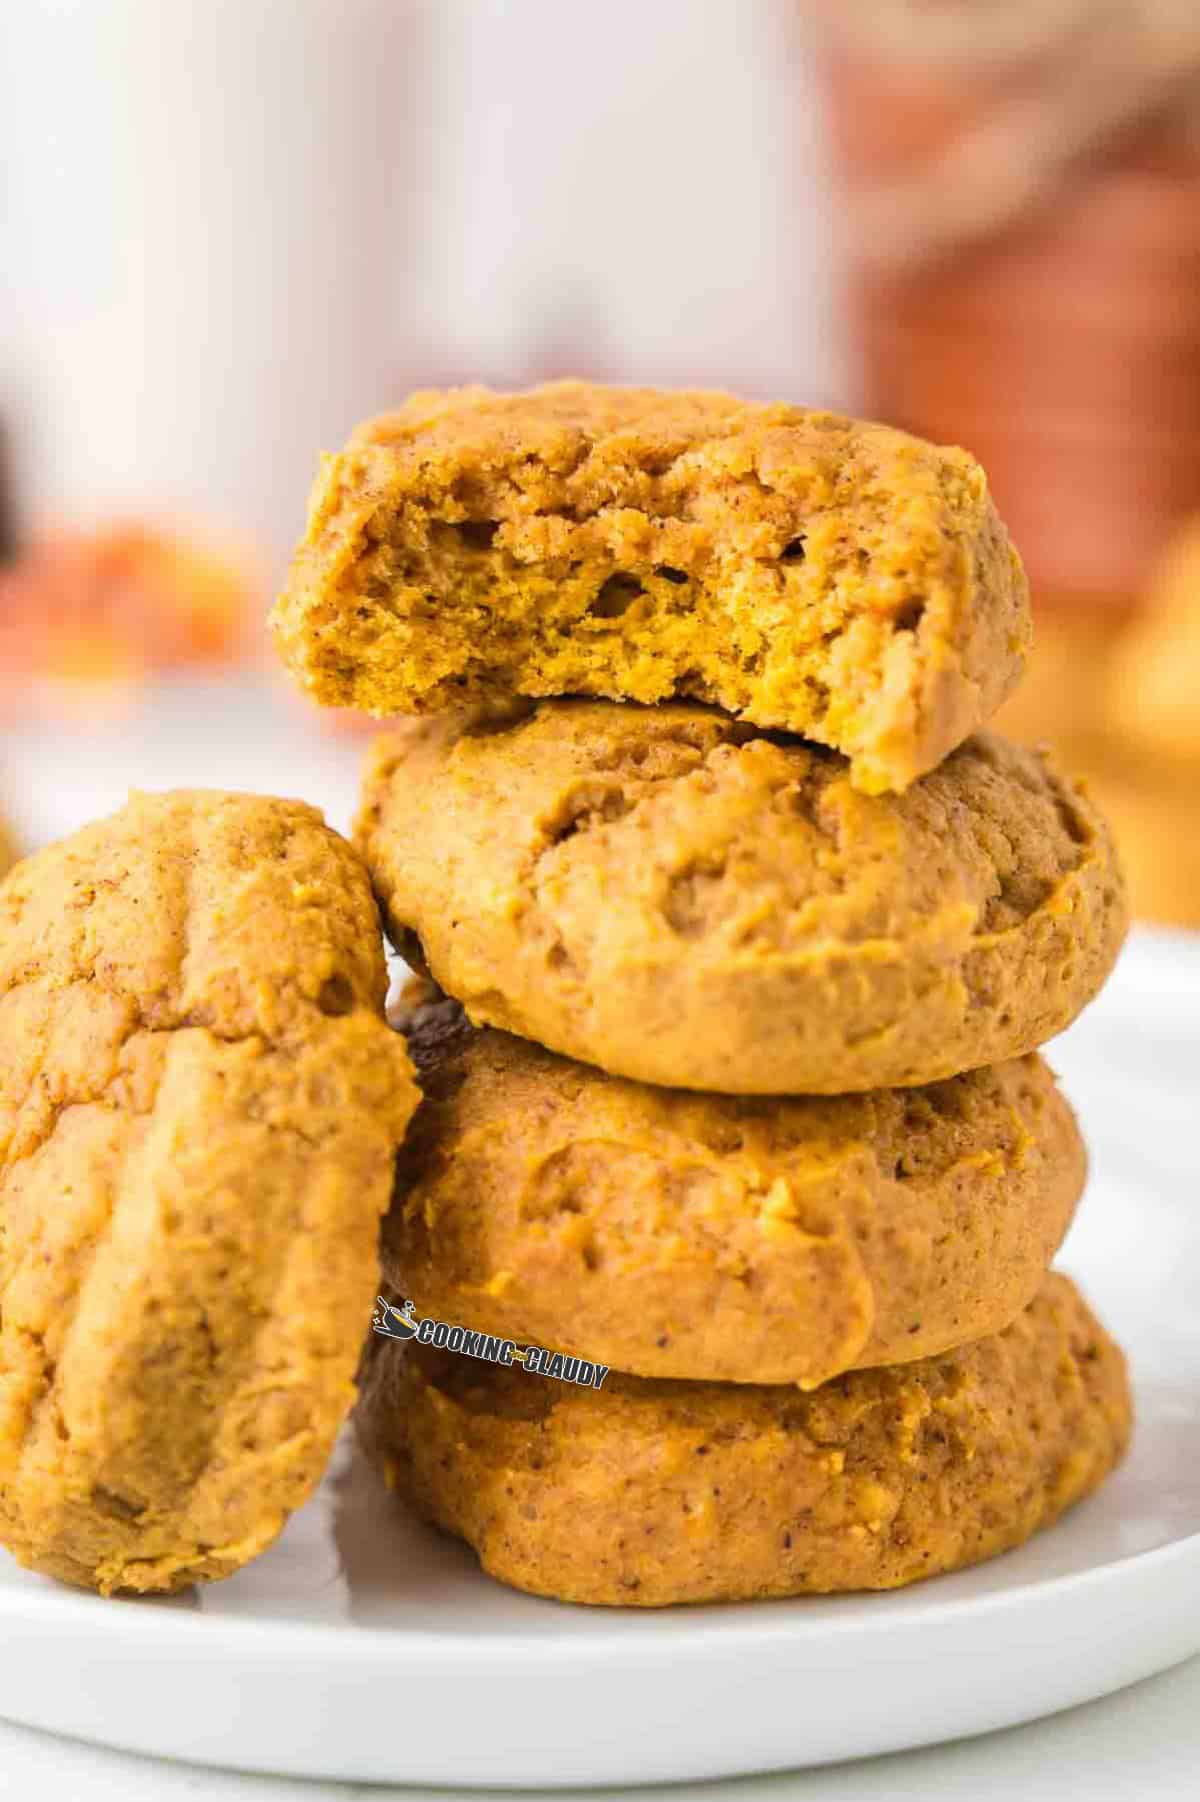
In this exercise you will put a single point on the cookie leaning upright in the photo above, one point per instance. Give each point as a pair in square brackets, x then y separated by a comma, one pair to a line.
[806, 572]
[199, 1104]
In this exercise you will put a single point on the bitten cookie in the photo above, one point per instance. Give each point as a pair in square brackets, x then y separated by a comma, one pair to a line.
[679, 898]
[808, 572]
[703, 1236]
[649, 1493]
[199, 1107]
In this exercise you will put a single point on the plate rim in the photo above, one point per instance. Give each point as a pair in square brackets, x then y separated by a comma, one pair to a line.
[148, 1616]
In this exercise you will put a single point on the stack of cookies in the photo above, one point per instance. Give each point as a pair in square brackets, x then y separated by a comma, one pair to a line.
[737, 1170]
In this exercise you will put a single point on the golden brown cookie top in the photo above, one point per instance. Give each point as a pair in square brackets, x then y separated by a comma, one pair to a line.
[198, 908]
[682, 899]
[807, 571]
[755, 838]
[588, 445]
[200, 1102]
[749, 1240]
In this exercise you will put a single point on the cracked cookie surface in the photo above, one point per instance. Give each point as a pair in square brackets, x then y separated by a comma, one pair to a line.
[199, 1105]
[645, 1493]
[804, 571]
[668, 1234]
[676, 897]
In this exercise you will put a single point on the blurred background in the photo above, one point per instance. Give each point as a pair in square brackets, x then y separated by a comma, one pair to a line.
[231, 228]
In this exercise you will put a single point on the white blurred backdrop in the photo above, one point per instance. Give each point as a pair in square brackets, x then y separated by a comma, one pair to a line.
[233, 227]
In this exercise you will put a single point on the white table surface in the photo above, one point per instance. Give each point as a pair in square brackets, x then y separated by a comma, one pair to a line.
[1143, 1744]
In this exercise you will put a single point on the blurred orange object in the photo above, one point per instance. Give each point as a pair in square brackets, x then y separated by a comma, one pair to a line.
[1060, 700]
[1118, 694]
[86, 616]
[1153, 687]
[1022, 192]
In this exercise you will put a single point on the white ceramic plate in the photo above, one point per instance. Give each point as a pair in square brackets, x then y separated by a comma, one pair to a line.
[362, 1646]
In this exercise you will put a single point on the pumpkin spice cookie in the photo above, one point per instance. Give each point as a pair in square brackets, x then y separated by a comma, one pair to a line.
[704, 1236]
[649, 1493]
[805, 571]
[199, 1106]
[676, 897]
